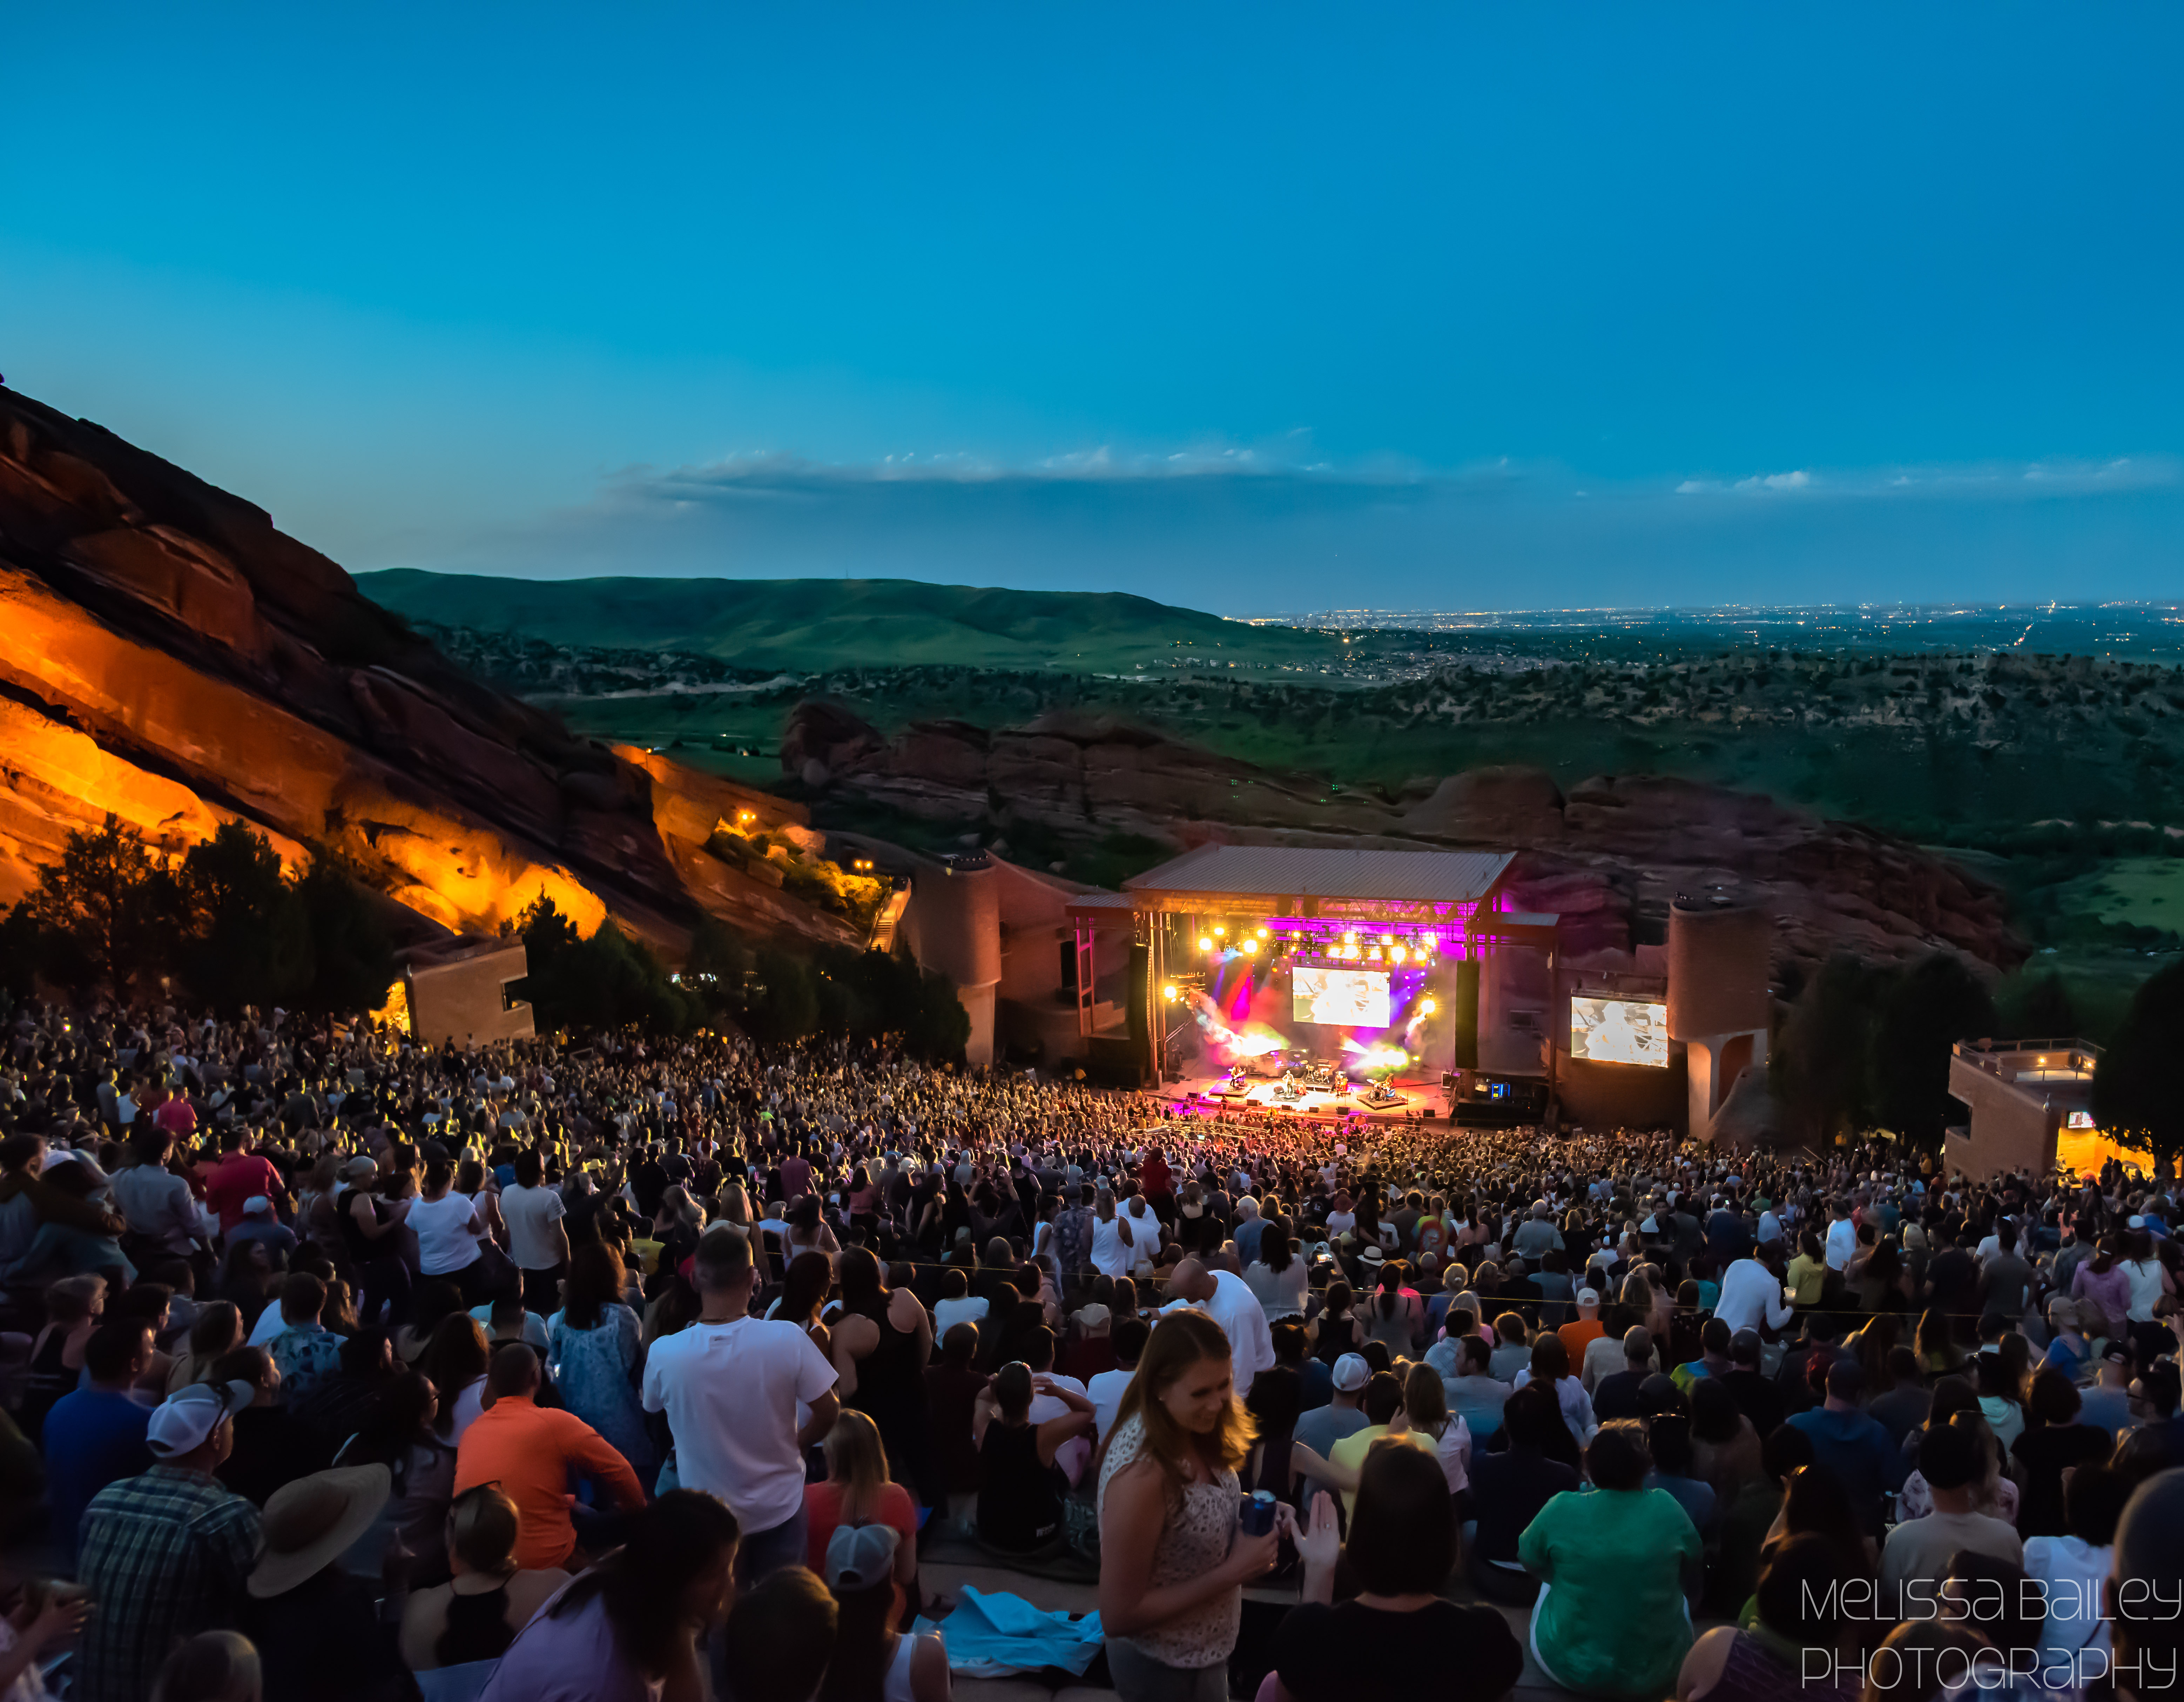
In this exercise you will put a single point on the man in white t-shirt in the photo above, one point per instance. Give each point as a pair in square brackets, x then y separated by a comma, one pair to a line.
[730, 1385]
[1228, 1300]
[537, 1240]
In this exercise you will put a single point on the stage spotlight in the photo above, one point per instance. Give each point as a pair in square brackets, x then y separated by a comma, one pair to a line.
[1425, 1007]
[1205, 944]
[1263, 934]
[1387, 938]
[1168, 993]
[1250, 947]
[1396, 953]
[1218, 932]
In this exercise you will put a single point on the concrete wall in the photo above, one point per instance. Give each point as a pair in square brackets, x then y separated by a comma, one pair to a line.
[465, 1000]
[2010, 1129]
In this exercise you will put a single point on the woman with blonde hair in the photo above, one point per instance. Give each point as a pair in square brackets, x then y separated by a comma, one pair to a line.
[454, 1635]
[212, 1666]
[858, 1491]
[1173, 1559]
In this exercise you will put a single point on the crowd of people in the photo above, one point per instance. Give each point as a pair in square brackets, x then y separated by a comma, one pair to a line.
[341, 1366]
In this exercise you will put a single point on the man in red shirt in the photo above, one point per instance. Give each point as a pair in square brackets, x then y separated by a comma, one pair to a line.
[239, 1176]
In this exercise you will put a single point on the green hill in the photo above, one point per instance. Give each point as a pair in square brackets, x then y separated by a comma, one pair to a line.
[832, 623]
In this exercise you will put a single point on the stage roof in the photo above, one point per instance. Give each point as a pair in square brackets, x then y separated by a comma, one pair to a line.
[1324, 872]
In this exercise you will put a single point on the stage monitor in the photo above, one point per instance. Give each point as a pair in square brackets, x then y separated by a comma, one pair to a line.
[1621, 1031]
[1340, 998]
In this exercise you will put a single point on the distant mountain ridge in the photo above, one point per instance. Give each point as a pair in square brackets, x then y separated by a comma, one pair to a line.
[809, 623]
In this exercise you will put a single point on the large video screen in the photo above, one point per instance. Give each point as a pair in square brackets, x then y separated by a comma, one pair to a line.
[1342, 998]
[1621, 1031]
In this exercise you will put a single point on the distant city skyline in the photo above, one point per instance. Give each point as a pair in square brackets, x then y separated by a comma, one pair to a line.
[1246, 310]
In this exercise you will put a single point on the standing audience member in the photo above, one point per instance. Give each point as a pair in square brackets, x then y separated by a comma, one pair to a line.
[164, 1554]
[95, 1435]
[1618, 1569]
[1173, 1562]
[730, 1386]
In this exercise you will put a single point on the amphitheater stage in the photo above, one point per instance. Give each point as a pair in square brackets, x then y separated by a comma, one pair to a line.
[1211, 1095]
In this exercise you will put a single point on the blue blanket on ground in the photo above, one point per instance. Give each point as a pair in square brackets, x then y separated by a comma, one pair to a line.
[991, 1636]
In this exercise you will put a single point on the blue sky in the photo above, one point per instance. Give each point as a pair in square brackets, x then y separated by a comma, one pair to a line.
[1251, 309]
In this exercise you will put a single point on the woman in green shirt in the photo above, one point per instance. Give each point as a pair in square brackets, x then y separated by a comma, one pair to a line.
[1611, 1620]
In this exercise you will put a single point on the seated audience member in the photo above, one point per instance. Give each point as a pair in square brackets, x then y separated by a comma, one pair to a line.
[634, 1626]
[1128, 1336]
[1850, 1444]
[2072, 1570]
[1508, 1490]
[2053, 1443]
[398, 1435]
[455, 1634]
[1020, 1488]
[1618, 1569]
[858, 1491]
[871, 1657]
[530, 1451]
[1798, 1623]
[1996, 1494]
[272, 1445]
[218, 1329]
[1616, 1396]
[780, 1637]
[1905, 1406]
[1919, 1550]
[951, 1395]
[314, 1625]
[1744, 1523]
[305, 1350]
[1396, 1635]
[1669, 1440]
[212, 1666]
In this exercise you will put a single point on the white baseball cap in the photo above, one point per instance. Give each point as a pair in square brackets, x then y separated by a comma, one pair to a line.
[1352, 1373]
[181, 1422]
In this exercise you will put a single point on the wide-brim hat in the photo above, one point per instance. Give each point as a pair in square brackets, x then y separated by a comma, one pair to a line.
[312, 1522]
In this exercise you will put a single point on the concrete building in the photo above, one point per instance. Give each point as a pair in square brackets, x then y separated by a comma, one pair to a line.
[1037, 980]
[2016, 1100]
[1719, 1002]
[458, 992]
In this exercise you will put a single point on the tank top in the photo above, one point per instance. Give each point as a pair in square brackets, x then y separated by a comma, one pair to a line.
[1197, 1537]
[1019, 1500]
[477, 1629]
[894, 1685]
[889, 1390]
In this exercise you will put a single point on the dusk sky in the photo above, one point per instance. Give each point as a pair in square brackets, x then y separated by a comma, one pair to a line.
[1255, 309]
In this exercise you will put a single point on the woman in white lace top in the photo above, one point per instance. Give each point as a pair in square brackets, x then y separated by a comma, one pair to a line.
[1173, 1560]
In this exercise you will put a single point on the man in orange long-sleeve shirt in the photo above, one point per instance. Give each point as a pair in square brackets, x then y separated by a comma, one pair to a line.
[529, 1450]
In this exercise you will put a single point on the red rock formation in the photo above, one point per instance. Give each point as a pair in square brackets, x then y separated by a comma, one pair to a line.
[167, 654]
[1612, 852]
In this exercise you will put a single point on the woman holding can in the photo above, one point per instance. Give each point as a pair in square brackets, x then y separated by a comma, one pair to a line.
[1174, 1556]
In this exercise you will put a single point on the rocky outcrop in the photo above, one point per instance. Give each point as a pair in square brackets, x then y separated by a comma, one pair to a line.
[1608, 856]
[168, 656]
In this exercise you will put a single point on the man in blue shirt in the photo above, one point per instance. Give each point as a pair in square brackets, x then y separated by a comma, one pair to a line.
[95, 1435]
[1855, 1446]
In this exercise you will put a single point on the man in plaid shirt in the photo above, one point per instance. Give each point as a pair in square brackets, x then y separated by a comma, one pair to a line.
[165, 1554]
